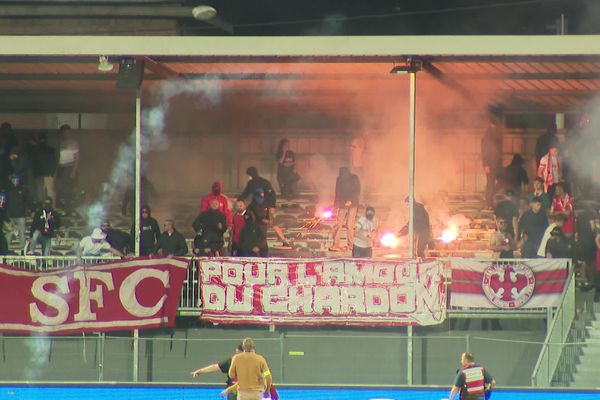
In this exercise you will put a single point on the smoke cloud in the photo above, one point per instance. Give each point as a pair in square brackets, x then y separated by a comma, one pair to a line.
[153, 138]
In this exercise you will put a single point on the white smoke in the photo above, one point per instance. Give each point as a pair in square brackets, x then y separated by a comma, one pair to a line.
[153, 138]
[39, 354]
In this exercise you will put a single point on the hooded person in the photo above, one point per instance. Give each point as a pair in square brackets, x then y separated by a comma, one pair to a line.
[43, 225]
[347, 193]
[216, 193]
[209, 226]
[258, 182]
[149, 232]
[253, 239]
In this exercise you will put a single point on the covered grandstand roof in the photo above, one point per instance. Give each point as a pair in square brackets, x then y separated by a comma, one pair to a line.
[536, 72]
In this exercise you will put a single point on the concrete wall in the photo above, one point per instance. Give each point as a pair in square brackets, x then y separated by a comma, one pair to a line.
[374, 356]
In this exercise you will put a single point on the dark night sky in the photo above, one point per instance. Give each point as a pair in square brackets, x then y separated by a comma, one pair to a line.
[403, 17]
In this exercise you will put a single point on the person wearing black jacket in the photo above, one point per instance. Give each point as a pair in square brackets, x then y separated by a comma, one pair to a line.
[117, 239]
[45, 222]
[255, 185]
[149, 232]
[347, 193]
[422, 228]
[532, 225]
[18, 207]
[44, 160]
[258, 182]
[253, 239]
[209, 226]
[171, 242]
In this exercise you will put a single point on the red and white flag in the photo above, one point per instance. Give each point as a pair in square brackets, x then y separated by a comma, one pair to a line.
[536, 283]
[119, 295]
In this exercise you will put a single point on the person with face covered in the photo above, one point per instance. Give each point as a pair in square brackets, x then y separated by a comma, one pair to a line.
[209, 227]
[149, 232]
[216, 194]
[253, 238]
[268, 199]
[43, 226]
[365, 234]
[347, 193]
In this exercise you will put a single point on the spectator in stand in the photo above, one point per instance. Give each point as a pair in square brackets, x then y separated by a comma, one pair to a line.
[18, 207]
[270, 200]
[585, 246]
[261, 216]
[502, 240]
[18, 163]
[286, 174]
[68, 169]
[95, 245]
[171, 242]
[209, 227]
[559, 246]
[564, 204]
[422, 228]
[253, 239]
[550, 168]
[216, 194]
[508, 210]
[347, 194]
[545, 142]
[117, 239]
[532, 225]
[514, 177]
[44, 160]
[3, 219]
[43, 226]
[149, 232]
[538, 191]
[10, 139]
[558, 220]
[366, 234]
[491, 156]
[238, 223]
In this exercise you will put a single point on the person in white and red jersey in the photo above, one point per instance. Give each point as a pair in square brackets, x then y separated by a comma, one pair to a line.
[472, 380]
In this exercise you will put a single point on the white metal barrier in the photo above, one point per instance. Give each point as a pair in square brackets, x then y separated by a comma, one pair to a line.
[558, 334]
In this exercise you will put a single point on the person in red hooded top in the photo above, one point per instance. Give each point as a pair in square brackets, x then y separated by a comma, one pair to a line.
[216, 194]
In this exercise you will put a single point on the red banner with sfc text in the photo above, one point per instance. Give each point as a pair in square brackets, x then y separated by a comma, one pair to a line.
[322, 291]
[121, 295]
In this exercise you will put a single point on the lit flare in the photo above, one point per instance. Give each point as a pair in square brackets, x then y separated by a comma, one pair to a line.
[449, 234]
[389, 240]
[327, 214]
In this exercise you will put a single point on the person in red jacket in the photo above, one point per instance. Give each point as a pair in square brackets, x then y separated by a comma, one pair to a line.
[472, 381]
[216, 194]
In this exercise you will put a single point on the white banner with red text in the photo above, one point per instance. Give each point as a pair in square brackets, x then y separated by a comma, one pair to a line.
[322, 291]
[504, 284]
[121, 295]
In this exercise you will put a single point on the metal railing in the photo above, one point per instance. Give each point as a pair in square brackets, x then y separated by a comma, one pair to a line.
[558, 334]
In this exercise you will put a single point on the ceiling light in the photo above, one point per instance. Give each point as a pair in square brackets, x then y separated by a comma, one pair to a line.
[203, 13]
[104, 65]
